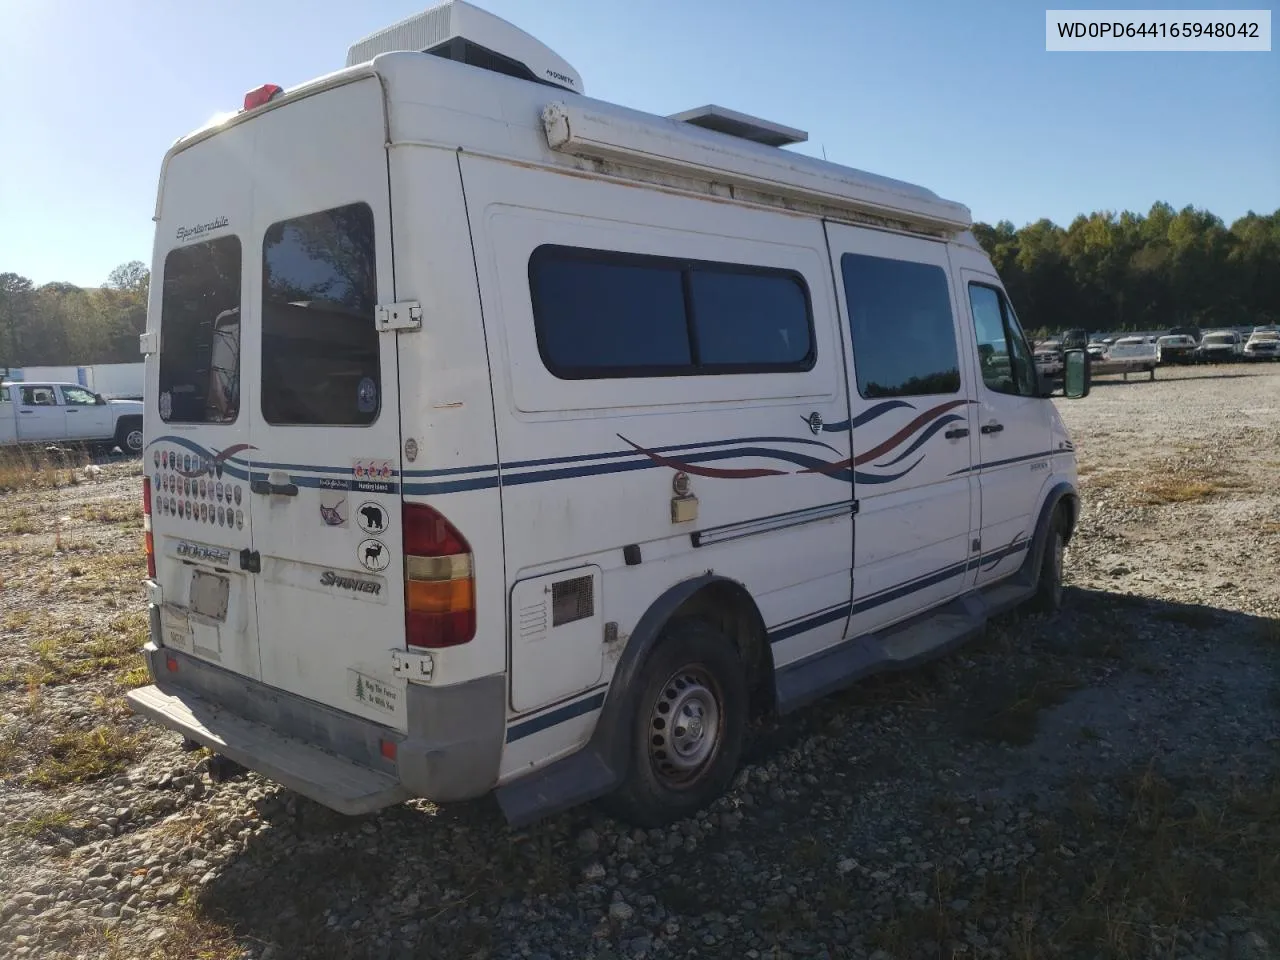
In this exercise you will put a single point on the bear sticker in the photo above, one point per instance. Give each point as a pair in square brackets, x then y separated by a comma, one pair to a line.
[372, 518]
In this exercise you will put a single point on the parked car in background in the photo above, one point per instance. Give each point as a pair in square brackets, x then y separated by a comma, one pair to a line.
[1176, 348]
[1097, 348]
[1263, 344]
[1128, 355]
[1048, 357]
[1221, 346]
[48, 412]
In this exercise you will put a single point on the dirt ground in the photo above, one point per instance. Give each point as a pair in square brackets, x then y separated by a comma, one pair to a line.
[1100, 783]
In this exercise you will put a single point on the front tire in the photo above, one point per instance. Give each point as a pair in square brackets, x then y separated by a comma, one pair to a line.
[688, 728]
[1048, 595]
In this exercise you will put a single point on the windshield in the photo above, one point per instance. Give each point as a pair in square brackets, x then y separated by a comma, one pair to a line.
[1268, 335]
[1219, 338]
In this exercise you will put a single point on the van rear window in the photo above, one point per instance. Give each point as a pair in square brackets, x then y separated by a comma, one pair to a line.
[319, 344]
[200, 333]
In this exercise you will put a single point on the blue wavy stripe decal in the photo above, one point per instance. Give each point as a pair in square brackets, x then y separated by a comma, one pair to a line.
[861, 477]
[1004, 463]
[879, 410]
[921, 440]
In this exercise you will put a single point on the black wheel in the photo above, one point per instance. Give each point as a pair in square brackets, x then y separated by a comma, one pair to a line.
[129, 436]
[688, 728]
[1048, 595]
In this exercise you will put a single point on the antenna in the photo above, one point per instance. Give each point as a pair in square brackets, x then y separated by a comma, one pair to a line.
[824, 151]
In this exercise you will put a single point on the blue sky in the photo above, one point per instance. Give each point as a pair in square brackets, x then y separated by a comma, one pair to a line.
[960, 97]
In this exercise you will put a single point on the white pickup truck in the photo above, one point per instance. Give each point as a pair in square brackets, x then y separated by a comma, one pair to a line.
[44, 412]
[1128, 355]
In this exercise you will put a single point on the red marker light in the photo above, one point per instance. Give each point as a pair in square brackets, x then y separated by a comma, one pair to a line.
[264, 94]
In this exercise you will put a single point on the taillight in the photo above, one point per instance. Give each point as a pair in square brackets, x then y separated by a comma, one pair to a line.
[264, 94]
[439, 589]
[148, 542]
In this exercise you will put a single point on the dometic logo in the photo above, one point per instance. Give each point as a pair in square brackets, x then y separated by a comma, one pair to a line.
[200, 229]
[561, 77]
[354, 584]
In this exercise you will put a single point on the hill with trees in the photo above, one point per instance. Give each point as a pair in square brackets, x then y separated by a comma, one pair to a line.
[1133, 272]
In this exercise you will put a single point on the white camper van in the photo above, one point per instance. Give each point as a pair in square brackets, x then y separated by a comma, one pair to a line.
[501, 439]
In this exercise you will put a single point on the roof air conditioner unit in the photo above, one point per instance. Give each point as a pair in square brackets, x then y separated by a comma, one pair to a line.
[456, 30]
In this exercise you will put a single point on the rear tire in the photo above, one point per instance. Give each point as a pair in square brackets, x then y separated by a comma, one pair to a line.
[1048, 595]
[688, 728]
[129, 436]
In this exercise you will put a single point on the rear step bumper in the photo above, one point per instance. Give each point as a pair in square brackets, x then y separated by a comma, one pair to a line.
[450, 751]
[328, 779]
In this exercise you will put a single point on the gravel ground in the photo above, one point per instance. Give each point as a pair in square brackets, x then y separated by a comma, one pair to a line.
[1102, 783]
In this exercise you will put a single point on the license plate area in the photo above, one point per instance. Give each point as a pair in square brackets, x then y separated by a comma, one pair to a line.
[210, 595]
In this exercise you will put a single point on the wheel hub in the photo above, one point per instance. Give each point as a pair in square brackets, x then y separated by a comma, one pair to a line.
[684, 727]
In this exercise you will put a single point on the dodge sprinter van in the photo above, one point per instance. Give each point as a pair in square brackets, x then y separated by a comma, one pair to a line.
[499, 439]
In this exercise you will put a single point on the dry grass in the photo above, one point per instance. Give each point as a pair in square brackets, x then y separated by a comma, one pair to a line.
[189, 935]
[61, 653]
[40, 470]
[79, 756]
[1167, 490]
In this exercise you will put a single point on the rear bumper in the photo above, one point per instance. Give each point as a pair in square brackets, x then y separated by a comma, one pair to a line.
[451, 750]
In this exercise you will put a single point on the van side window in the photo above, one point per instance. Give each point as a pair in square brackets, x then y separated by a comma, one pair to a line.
[901, 327]
[1003, 355]
[319, 345]
[604, 314]
[199, 354]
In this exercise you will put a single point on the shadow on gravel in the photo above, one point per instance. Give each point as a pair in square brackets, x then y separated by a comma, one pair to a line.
[1141, 378]
[1066, 785]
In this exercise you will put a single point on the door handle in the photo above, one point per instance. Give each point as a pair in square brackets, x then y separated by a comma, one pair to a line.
[992, 427]
[955, 433]
[266, 487]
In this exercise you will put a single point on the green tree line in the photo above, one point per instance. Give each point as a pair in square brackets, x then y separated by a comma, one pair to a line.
[59, 324]
[1104, 272]
[1108, 272]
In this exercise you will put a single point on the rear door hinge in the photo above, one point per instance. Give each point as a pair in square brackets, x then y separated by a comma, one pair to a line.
[250, 561]
[406, 315]
[412, 666]
[148, 343]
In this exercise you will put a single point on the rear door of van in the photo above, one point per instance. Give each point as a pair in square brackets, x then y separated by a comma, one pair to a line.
[304, 474]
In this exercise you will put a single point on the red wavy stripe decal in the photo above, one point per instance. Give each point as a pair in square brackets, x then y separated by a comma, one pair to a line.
[697, 471]
[907, 431]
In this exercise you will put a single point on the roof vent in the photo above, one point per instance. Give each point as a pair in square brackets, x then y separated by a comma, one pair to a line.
[456, 30]
[735, 124]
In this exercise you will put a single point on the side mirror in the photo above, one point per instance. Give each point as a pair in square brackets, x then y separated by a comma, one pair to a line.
[1075, 374]
[100, 398]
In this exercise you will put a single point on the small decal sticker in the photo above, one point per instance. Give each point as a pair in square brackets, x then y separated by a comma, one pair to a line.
[371, 476]
[218, 491]
[203, 489]
[373, 555]
[222, 515]
[333, 509]
[204, 512]
[166, 405]
[239, 519]
[203, 551]
[411, 449]
[238, 494]
[372, 518]
[329, 483]
[371, 692]
[157, 459]
[367, 395]
[186, 463]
